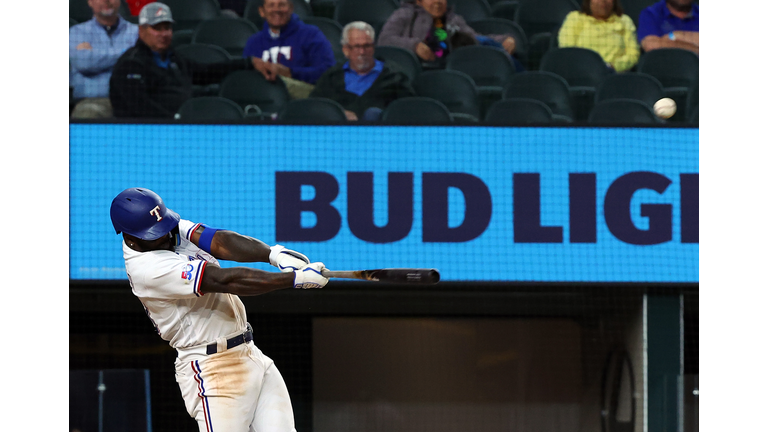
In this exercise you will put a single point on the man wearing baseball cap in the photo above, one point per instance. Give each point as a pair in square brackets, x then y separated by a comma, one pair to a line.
[150, 80]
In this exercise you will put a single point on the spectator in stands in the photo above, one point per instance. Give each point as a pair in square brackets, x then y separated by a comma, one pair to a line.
[430, 28]
[288, 48]
[602, 26]
[94, 47]
[669, 24]
[363, 85]
[149, 80]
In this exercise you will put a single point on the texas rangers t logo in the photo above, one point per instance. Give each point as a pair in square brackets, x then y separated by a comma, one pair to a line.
[272, 54]
[156, 213]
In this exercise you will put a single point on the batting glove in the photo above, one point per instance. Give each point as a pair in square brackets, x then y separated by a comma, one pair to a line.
[285, 259]
[310, 276]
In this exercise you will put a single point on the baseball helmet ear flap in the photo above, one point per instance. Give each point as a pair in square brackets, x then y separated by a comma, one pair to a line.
[142, 214]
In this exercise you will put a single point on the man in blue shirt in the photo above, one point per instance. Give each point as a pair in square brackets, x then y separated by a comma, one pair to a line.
[669, 24]
[94, 47]
[363, 85]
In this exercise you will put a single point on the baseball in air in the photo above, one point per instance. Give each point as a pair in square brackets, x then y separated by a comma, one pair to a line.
[665, 108]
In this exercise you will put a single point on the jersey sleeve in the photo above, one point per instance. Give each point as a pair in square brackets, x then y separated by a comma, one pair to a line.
[173, 277]
[186, 228]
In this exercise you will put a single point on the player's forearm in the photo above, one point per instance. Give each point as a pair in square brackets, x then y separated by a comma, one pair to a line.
[231, 246]
[244, 281]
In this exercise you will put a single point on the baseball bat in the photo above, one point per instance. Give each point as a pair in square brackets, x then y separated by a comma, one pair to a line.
[392, 275]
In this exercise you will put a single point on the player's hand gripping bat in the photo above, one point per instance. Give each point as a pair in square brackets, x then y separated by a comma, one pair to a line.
[390, 275]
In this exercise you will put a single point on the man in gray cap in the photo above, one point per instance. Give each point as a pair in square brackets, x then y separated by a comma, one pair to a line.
[150, 80]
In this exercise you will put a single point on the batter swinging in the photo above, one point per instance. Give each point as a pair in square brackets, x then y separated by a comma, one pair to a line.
[227, 383]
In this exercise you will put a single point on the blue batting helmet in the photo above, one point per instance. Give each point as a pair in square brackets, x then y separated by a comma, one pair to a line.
[142, 213]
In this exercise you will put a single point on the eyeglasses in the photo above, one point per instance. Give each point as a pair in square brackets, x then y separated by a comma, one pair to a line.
[361, 47]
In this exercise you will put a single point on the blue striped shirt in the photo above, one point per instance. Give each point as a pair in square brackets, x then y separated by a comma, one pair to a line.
[90, 69]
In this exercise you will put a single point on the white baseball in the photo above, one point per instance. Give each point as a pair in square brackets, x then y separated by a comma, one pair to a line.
[665, 108]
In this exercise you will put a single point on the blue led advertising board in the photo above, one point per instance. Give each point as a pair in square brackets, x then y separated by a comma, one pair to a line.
[555, 204]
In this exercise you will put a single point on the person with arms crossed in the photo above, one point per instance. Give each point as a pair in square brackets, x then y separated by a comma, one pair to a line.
[669, 24]
[288, 48]
[150, 80]
[227, 383]
[94, 47]
[603, 27]
[363, 85]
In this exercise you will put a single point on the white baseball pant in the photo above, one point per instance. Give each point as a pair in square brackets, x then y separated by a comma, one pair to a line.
[238, 390]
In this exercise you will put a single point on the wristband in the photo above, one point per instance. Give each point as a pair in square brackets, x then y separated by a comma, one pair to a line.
[206, 237]
[671, 35]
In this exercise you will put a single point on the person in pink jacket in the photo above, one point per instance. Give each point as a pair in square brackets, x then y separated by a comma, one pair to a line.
[430, 28]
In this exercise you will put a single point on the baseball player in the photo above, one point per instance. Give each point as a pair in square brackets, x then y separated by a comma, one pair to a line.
[228, 385]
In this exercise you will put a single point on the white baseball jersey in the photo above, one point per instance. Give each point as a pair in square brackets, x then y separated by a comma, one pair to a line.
[168, 285]
[233, 390]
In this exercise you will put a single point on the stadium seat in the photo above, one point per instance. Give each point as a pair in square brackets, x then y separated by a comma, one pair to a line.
[677, 70]
[505, 9]
[228, 33]
[471, 10]
[80, 11]
[630, 85]
[187, 14]
[693, 99]
[504, 26]
[416, 109]
[332, 31]
[693, 116]
[546, 87]
[312, 109]
[622, 112]
[125, 12]
[455, 89]
[181, 37]
[374, 12]
[209, 108]
[674, 67]
[203, 53]
[583, 69]
[249, 87]
[489, 67]
[251, 13]
[633, 8]
[323, 8]
[518, 111]
[397, 57]
[539, 20]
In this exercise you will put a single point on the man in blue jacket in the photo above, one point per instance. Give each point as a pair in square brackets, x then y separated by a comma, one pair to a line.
[669, 24]
[94, 47]
[287, 47]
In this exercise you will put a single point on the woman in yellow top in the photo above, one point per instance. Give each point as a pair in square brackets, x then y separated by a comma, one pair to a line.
[602, 26]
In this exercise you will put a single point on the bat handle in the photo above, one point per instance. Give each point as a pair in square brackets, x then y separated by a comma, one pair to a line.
[341, 274]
